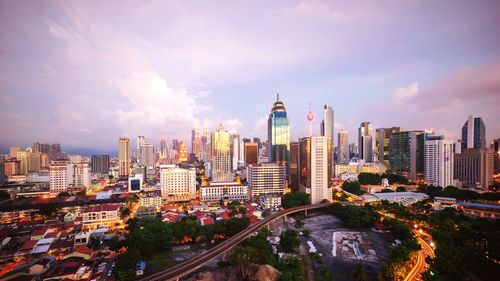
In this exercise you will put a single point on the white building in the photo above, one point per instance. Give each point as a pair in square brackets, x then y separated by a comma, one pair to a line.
[60, 176]
[101, 215]
[439, 161]
[327, 128]
[135, 182]
[221, 155]
[315, 160]
[266, 178]
[177, 184]
[151, 199]
[270, 201]
[146, 154]
[81, 174]
[226, 191]
[343, 147]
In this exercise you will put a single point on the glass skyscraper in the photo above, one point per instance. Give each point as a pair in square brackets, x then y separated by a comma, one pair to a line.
[278, 135]
[474, 133]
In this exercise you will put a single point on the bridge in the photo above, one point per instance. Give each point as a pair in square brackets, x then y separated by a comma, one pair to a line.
[194, 263]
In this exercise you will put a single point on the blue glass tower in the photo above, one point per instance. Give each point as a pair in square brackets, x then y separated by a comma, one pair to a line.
[278, 135]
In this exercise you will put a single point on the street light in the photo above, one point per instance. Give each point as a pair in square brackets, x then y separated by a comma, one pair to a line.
[421, 231]
[415, 226]
[431, 244]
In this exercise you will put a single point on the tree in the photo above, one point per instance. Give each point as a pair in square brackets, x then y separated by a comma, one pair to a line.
[369, 178]
[352, 187]
[4, 195]
[306, 232]
[400, 189]
[361, 273]
[63, 194]
[242, 257]
[289, 241]
[126, 212]
[47, 210]
[386, 190]
[234, 226]
[352, 215]
[125, 265]
[295, 199]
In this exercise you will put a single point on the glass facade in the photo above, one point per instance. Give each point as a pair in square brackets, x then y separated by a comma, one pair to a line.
[278, 136]
[479, 134]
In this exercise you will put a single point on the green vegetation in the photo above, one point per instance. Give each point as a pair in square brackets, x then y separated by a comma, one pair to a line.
[395, 179]
[4, 195]
[386, 190]
[295, 199]
[289, 241]
[460, 194]
[398, 210]
[352, 187]
[463, 245]
[291, 269]
[369, 178]
[352, 215]
[400, 189]
[361, 273]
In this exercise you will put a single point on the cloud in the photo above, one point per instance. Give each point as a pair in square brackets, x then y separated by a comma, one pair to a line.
[405, 93]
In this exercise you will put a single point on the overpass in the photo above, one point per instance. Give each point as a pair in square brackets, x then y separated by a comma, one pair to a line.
[194, 263]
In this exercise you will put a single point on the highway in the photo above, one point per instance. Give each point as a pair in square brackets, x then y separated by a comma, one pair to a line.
[194, 263]
[420, 265]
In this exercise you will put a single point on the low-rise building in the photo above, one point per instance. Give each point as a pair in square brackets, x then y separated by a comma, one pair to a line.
[226, 191]
[270, 201]
[440, 203]
[403, 198]
[98, 215]
[481, 210]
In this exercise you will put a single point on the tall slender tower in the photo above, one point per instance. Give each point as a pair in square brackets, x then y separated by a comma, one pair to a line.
[343, 147]
[278, 135]
[221, 155]
[123, 157]
[327, 129]
[365, 142]
[474, 133]
[310, 119]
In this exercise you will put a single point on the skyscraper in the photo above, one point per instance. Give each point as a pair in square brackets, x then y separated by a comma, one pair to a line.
[196, 143]
[278, 135]
[146, 154]
[13, 151]
[99, 164]
[315, 168]
[123, 157]
[140, 141]
[343, 147]
[266, 178]
[474, 133]
[382, 143]
[251, 153]
[206, 144]
[439, 161]
[406, 154]
[327, 127]
[235, 150]
[474, 168]
[163, 150]
[365, 142]
[183, 155]
[22, 157]
[221, 155]
[496, 155]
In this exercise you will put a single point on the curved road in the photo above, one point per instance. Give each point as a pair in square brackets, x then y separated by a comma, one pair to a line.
[420, 265]
[194, 263]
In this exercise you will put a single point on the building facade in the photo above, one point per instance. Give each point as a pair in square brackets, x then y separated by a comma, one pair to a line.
[266, 178]
[278, 135]
[177, 184]
[439, 161]
[474, 133]
[327, 128]
[251, 153]
[221, 155]
[382, 138]
[226, 191]
[314, 168]
[474, 168]
[406, 154]
[365, 142]
[60, 176]
[123, 157]
[343, 147]
[99, 164]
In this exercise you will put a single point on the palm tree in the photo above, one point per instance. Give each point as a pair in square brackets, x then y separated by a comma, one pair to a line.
[361, 273]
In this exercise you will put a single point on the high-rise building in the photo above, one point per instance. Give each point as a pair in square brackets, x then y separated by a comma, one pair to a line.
[99, 164]
[439, 161]
[176, 145]
[235, 150]
[266, 178]
[343, 147]
[140, 141]
[353, 150]
[164, 150]
[81, 174]
[22, 156]
[382, 143]
[221, 155]
[206, 144]
[365, 142]
[278, 135]
[13, 151]
[146, 154]
[123, 157]
[406, 154]
[53, 150]
[315, 168]
[60, 176]
[44, 161]
[12, 167]
[251, 153]
[474, 168]
[183, 155]
[2, 172]
[327, 127]
[196, 143]
[34, 162]
[496, 155]
[177, 184]
[474, 133]
[294, 166]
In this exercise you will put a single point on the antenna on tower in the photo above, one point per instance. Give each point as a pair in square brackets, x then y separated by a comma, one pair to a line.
[310, 118]
[277, 91]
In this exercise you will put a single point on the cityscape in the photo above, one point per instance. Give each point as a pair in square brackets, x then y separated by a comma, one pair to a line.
[332, 166]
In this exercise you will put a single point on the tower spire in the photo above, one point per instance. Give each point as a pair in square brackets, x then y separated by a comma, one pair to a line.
[310, 118]
[277, 91]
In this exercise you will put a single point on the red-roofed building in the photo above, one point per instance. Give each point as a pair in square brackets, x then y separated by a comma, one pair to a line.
[39, 233]
[206, 221]
[97, 215]
[81, 252]
[28, 246]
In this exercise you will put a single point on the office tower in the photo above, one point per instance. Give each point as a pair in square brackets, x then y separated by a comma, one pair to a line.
[206, 144]
[266, 178]
[278, 135]
[183, 155]
[474, 168]
[163, 149]
[146, 154]
[259, 143]
[221, 155]
[315, 168]
[439, 161]
[13, 151]
[12, 167]
[81, 174]
[343, 147]
[2, 172]
[251, 153]
[245, 140]
[176, 145]
[235, 150]
[99, 164]
[140, 141]
[353, 150]
[496, 155]
[196, 142]
[54, 151]
[22, 156]
[123, 157]
[474, 133]
[44, 161]
[327, 128]
[294, 166]
[34, 162]
[382, 143]
[177, 184]
[365, 142]
[60, 176]
[406, 154]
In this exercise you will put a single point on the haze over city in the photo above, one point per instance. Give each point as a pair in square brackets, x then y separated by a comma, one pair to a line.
[87, 76]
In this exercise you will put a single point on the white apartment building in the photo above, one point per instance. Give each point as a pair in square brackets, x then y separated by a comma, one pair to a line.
[226, 191]
[81, 174]
[60, 176]
[439, 162]
[101, 215]
[266, 178]
[177, 184]
[314, 161]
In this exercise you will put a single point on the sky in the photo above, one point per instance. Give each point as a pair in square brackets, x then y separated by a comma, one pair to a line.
[84, 73]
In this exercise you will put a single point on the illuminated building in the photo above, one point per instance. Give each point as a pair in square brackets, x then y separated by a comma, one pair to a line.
[164, 151]
[221, 155]
[34, 162]
[123, 157]
[365, 142]
[146, 154]
[60, 176]
[97, 215]
[406, 154]
[206, 144]
[140, 141]
[81, 174]
[266, 178]
[382, 143]
[315, 168]
[278, 135]
[343, 147]
[135, 182]
[496, 155]
[294, 166]
[251, 153]
[227, 191]
[235, 150]
[177, 184]
[22, 156]
[183, 155]
[13, 151]
[439, 161]
[327, 127]
[474, 133]
[474, 168]
[11, 167]
[196, 143]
